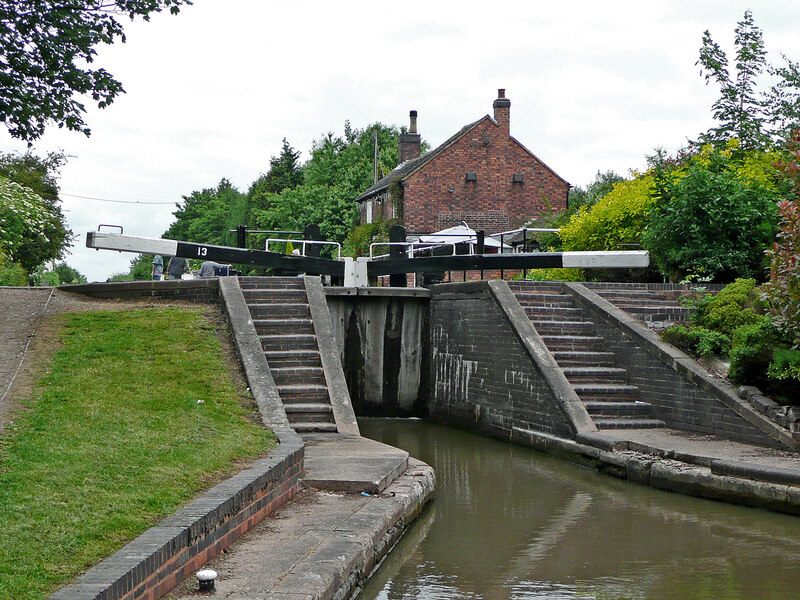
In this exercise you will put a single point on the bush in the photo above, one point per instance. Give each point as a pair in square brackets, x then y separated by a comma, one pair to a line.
[751, 353]
[710, 216]
[11, 273]
[735, 305]
[783, 289]
[698, 341]
[619, 218]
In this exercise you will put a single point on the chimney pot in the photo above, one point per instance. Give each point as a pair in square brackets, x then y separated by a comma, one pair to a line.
[413, 122]
[501, 93]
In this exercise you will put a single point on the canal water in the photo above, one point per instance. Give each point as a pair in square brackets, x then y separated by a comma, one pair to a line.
[511, 523]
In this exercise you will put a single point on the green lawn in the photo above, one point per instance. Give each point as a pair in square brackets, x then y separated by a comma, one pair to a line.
[136, 415]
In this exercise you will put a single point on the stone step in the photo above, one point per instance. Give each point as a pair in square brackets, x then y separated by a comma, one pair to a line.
[533, 286]
[643, 303]
[571, 358]
[544, 299]
[288, 342]
[619, 409]
[279, 296]
[309, 407]
[661, 295]
[611, 392]
[283, 326]
[573, 342]
[581, 328]
[298, 375]
[272, 283]
[314, 427]
[278, 359]
[301, 393]
[563, 313]
[280, 310]
[595, 374]
[605, 423]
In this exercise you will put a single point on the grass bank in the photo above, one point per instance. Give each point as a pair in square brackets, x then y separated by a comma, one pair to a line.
[137, 413]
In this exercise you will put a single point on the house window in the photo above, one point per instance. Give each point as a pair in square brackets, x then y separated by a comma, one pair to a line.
[369, 211]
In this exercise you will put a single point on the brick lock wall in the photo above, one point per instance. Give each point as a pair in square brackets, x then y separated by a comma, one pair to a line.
[481, 377]
[492, 202]
[678, 401]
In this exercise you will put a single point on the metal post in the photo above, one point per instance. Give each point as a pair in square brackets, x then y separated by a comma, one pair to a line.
[241, 230]
[397, 233]
[524, 248]
[312, 233]
[480, 238]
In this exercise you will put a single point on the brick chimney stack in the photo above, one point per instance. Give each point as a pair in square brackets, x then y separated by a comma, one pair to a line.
[502, 111]
[408, 143]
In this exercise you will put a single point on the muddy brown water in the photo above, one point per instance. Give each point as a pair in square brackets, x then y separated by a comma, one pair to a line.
[511, 523]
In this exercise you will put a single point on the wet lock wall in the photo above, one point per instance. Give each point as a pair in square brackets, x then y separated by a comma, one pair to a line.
[382, 340]
[508, 522]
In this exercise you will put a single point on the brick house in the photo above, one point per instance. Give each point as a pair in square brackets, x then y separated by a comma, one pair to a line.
[481, 176]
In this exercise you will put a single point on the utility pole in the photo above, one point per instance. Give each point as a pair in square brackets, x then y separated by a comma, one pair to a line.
[375, 157]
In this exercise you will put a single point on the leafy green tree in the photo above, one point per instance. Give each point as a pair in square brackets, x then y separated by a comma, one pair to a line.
[208, 216]
[46, 48]
[284, 173]
[710, 218]
[739, 109]
[616, 220]
[27, 226]
[758, 118]
[603, 184]
[340, 169]
[67, 275]
[40, 176]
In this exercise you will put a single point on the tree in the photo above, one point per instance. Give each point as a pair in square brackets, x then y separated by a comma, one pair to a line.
[714, 215]
[40, 176]
[208, 216]
[284, 173]
[739, 109]
[755, 117]
[340, 169]
[25, 224]
[46, 47]
[68, 275]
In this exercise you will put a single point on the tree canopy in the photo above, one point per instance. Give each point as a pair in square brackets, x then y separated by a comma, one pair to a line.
[46, 49]
[744, 111]
[33, 228]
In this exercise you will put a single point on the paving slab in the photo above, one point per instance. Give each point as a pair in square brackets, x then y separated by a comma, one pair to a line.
[354, 464]
[701, 449]
[321, 545]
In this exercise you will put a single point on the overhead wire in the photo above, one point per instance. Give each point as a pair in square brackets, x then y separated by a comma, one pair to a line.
[115, 201]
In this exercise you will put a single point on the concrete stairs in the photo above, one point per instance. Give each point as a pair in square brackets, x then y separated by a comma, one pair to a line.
[579, 351]
[282, 318]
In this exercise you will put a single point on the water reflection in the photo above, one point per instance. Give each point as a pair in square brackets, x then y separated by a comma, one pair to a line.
[511, 523]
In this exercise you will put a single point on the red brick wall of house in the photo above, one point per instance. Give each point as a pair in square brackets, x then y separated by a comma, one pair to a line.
[493, 202]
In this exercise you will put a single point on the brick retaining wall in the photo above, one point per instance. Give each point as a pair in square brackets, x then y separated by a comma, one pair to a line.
[205, 291]
[682, 393]
[483, 376]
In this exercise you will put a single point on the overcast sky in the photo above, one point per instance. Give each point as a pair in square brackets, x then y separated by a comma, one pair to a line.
[212, 92]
